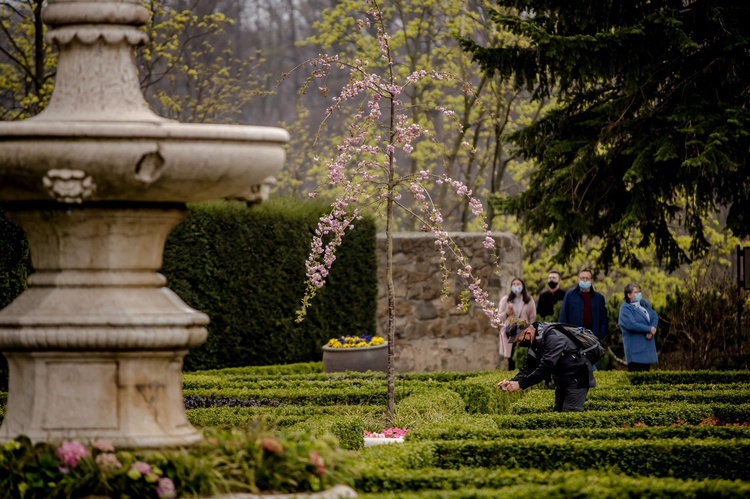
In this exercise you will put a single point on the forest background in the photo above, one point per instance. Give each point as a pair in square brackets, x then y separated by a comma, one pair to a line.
[242, 61]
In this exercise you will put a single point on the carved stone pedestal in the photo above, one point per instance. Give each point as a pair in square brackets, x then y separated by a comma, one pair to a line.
[97, 181]
[95, 345]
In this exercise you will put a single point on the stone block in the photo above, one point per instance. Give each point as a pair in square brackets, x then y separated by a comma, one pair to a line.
[433, 333]
[425, 310]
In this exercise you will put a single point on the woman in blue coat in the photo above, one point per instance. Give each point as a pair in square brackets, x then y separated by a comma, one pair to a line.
[638, 323]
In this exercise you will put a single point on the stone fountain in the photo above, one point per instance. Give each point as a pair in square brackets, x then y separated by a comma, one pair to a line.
[97, 181]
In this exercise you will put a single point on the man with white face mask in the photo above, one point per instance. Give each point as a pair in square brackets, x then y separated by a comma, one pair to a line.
[582, 306]
[551, 353]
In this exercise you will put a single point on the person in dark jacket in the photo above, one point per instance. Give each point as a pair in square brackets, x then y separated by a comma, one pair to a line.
[582, 306]
[551, 352]
[545, 305]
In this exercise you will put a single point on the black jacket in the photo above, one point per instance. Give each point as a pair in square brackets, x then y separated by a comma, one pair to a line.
[545, 305]
[553, 353]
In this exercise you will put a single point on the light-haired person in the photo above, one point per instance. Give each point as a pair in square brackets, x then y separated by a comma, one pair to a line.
[638, 323]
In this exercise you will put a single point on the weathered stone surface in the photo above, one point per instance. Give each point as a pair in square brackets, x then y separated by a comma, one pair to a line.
[425, 311]
[95, 345]
[433, 334]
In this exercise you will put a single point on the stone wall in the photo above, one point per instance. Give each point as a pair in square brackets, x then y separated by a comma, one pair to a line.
[432, 334]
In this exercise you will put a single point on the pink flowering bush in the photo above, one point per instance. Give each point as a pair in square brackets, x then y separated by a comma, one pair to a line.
[70, 453]
[254, 461]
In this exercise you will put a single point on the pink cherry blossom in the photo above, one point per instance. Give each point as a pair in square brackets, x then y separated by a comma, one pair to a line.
[366, 174]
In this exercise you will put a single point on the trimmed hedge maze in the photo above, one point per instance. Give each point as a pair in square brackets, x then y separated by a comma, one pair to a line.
[655, 434]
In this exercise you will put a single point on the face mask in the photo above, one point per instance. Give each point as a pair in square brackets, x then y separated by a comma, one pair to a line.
[552, 284]
[584, 284]
[524, 341]
[516, 289]
[638, 297]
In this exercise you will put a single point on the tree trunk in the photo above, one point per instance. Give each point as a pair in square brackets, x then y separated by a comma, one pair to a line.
[391, 395]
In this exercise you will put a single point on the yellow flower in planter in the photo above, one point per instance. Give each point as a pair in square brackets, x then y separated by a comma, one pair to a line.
[356, 353]
[360, 341]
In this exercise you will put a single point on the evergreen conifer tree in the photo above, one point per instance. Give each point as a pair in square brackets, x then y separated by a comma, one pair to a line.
[652, 128]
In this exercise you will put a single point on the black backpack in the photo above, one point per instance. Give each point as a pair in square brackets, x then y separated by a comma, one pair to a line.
[590, 346]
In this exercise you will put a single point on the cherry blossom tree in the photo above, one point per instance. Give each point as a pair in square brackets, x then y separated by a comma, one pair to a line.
[366, 174]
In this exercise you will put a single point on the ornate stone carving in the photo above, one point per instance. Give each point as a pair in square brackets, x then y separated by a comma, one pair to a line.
[257, 194]
[69, 186]
[149, 167]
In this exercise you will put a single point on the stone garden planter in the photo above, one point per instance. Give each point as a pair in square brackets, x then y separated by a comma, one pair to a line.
[355, 359]
[372, 441]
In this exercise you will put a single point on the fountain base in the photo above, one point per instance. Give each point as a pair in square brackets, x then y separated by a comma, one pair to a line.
[132, 399]
[95, 345]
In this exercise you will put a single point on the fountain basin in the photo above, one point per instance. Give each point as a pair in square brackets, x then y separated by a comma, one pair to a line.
[138, 162]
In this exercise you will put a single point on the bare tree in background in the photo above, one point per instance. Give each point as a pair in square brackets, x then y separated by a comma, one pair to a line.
[27, 63]
[423, 38]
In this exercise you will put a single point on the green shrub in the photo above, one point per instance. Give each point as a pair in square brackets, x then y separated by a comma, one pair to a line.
[348, 430]
[302, 368]
[640, 396]
[654, 416]
[282, 416]
[301, 394]
[407, 456]
[15, 261]
[387, 482]
[688, 458]
[245, 268]
[462, 427]
[441, 376]
[608, 379]
[484, 428]
[698, 329]
[481, 395]
[253, 460]
[689, 377]
[15, 267]
[427, 406]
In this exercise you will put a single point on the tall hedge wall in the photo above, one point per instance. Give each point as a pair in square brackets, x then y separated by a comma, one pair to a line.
[245, 267]
[15, 265]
